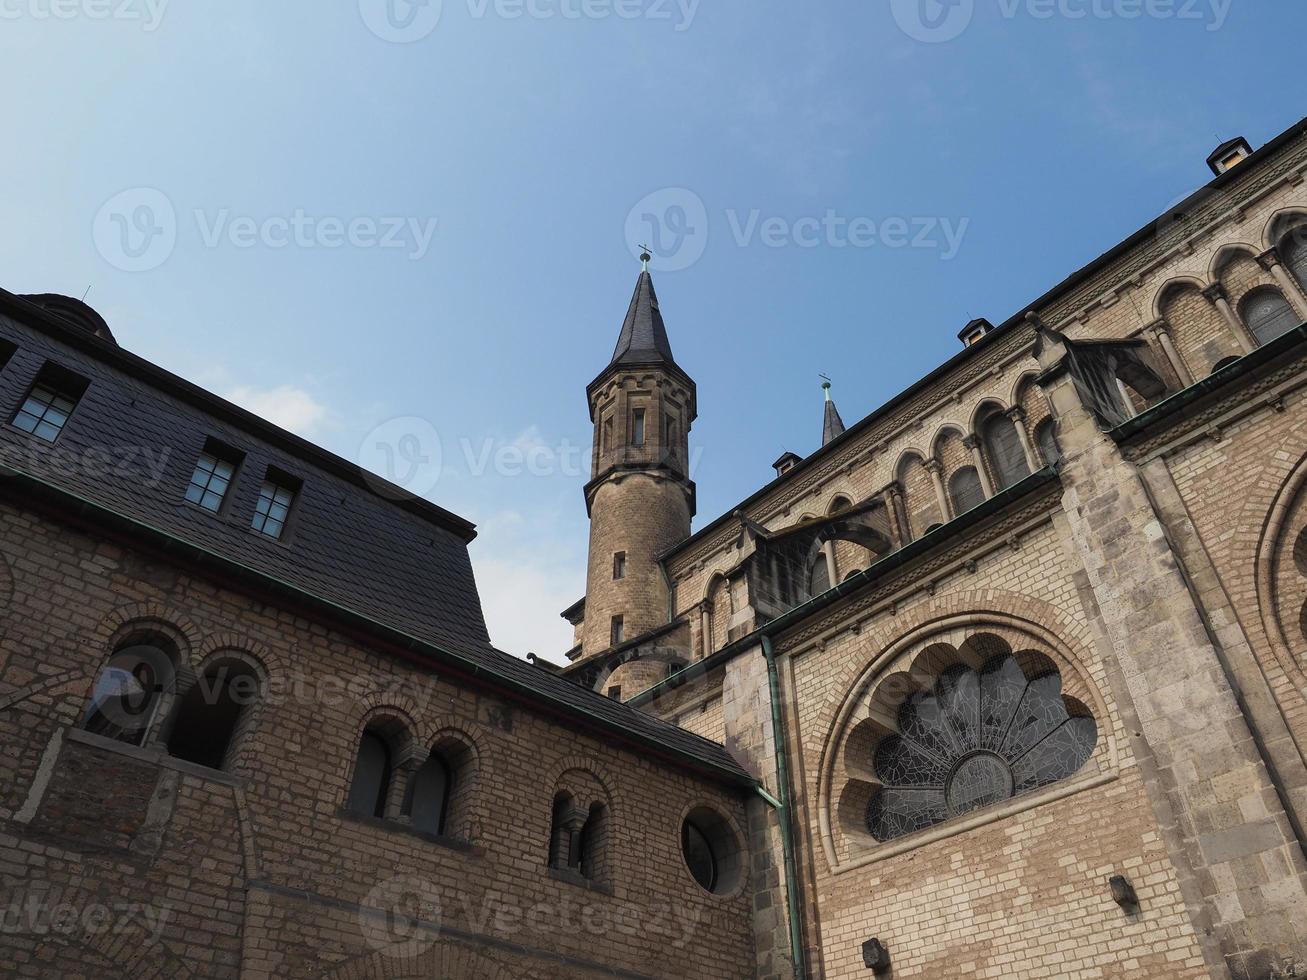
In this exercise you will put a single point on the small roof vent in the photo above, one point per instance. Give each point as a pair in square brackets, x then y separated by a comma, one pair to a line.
[974, 330]
[786, 463]
[1229, 155]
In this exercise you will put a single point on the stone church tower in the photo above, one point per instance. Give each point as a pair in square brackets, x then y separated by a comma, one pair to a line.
[640, 497]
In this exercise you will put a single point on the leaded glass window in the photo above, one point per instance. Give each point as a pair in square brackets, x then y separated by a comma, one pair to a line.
[976, 738]
[1267, 314]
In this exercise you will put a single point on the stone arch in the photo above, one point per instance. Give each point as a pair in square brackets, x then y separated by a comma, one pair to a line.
[179, 627]
[217, 657]
[1283, 222]
[673, 657]
[1275, 549]
[1227, 253]
[915, 659]
[919, 498]
[1172, 286]
[127, 948]
[1021, 386]
[942, 431]
[984, 409]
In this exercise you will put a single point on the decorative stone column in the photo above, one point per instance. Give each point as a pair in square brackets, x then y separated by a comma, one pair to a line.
[1161, 331]
[1216, 295]
[936, 470]
[705, 627]
[972, 442]
[1018, 416]
[1241, 871]
[1270, 261]
[894, 493]
[832, 569]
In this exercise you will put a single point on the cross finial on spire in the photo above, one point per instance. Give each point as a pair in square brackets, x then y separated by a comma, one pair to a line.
[644, 258]
[825, 385]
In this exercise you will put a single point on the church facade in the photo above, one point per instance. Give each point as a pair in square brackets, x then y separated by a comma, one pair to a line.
[1007, 679]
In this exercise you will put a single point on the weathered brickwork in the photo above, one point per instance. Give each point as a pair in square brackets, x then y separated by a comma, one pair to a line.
[257, 870]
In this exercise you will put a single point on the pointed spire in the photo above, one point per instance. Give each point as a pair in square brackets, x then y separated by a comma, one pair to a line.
[832, 425]
[643, 338]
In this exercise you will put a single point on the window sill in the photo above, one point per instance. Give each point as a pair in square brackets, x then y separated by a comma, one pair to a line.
[578, 880]
[394, 826]
[154, 755]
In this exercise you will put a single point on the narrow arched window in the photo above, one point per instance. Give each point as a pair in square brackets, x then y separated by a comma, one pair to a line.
[128, 691]
[211, 713]
[1006, 455]
[1267, 314]
[593, 844]
[965, 490]
[560, 834]
[432, 785]
[1048, 444]
[372, 775]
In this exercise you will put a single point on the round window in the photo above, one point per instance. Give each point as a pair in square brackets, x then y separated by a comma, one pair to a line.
[712, 853]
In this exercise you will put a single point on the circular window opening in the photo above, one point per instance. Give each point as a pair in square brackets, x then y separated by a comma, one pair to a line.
[1300, 551]
[712, 852]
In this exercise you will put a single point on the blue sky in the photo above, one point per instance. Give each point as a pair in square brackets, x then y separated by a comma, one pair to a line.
[382, 227]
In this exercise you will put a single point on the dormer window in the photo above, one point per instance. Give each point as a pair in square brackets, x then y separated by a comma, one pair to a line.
[1229, 155]
[215, 469]
[974, 331]
[53, 396]
[276, 497]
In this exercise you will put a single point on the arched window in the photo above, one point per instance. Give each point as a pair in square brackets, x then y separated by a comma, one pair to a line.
[211, 713]
[578, 838]
[372, 776]
[965, 490]
[1293, 252]
[1267, 314]
[976, 738]
[129, 690]
[1046, 437]
[432, 786]
[819, 575]
[1006, 456]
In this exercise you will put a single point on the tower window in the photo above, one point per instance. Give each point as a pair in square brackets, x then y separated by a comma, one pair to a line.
[214, 471]
[615, 692]
[619, 565]
[637, 427]
[606, 435]
[51, 401]
[276, 497]
[616, 631]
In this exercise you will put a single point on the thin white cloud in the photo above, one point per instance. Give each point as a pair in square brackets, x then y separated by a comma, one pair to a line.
[285, 405]
[522, 602]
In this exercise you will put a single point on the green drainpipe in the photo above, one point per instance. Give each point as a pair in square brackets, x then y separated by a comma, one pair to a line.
[782, 807]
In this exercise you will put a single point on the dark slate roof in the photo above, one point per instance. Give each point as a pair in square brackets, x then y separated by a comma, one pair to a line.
[643, 339]
[831, 424]
[398, 565]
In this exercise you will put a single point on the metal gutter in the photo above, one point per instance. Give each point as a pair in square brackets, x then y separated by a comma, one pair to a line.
[101, 520]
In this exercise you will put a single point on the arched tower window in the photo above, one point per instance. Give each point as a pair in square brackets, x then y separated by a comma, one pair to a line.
[965, 490]
[1293, 252]
[1006, 455]
[432, 786]
[1267, 314]
[579, 836]
[819, 575]
[975, 739]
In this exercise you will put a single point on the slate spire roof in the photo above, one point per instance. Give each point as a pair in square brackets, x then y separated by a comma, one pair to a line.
[643, 339]
[831, 425]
